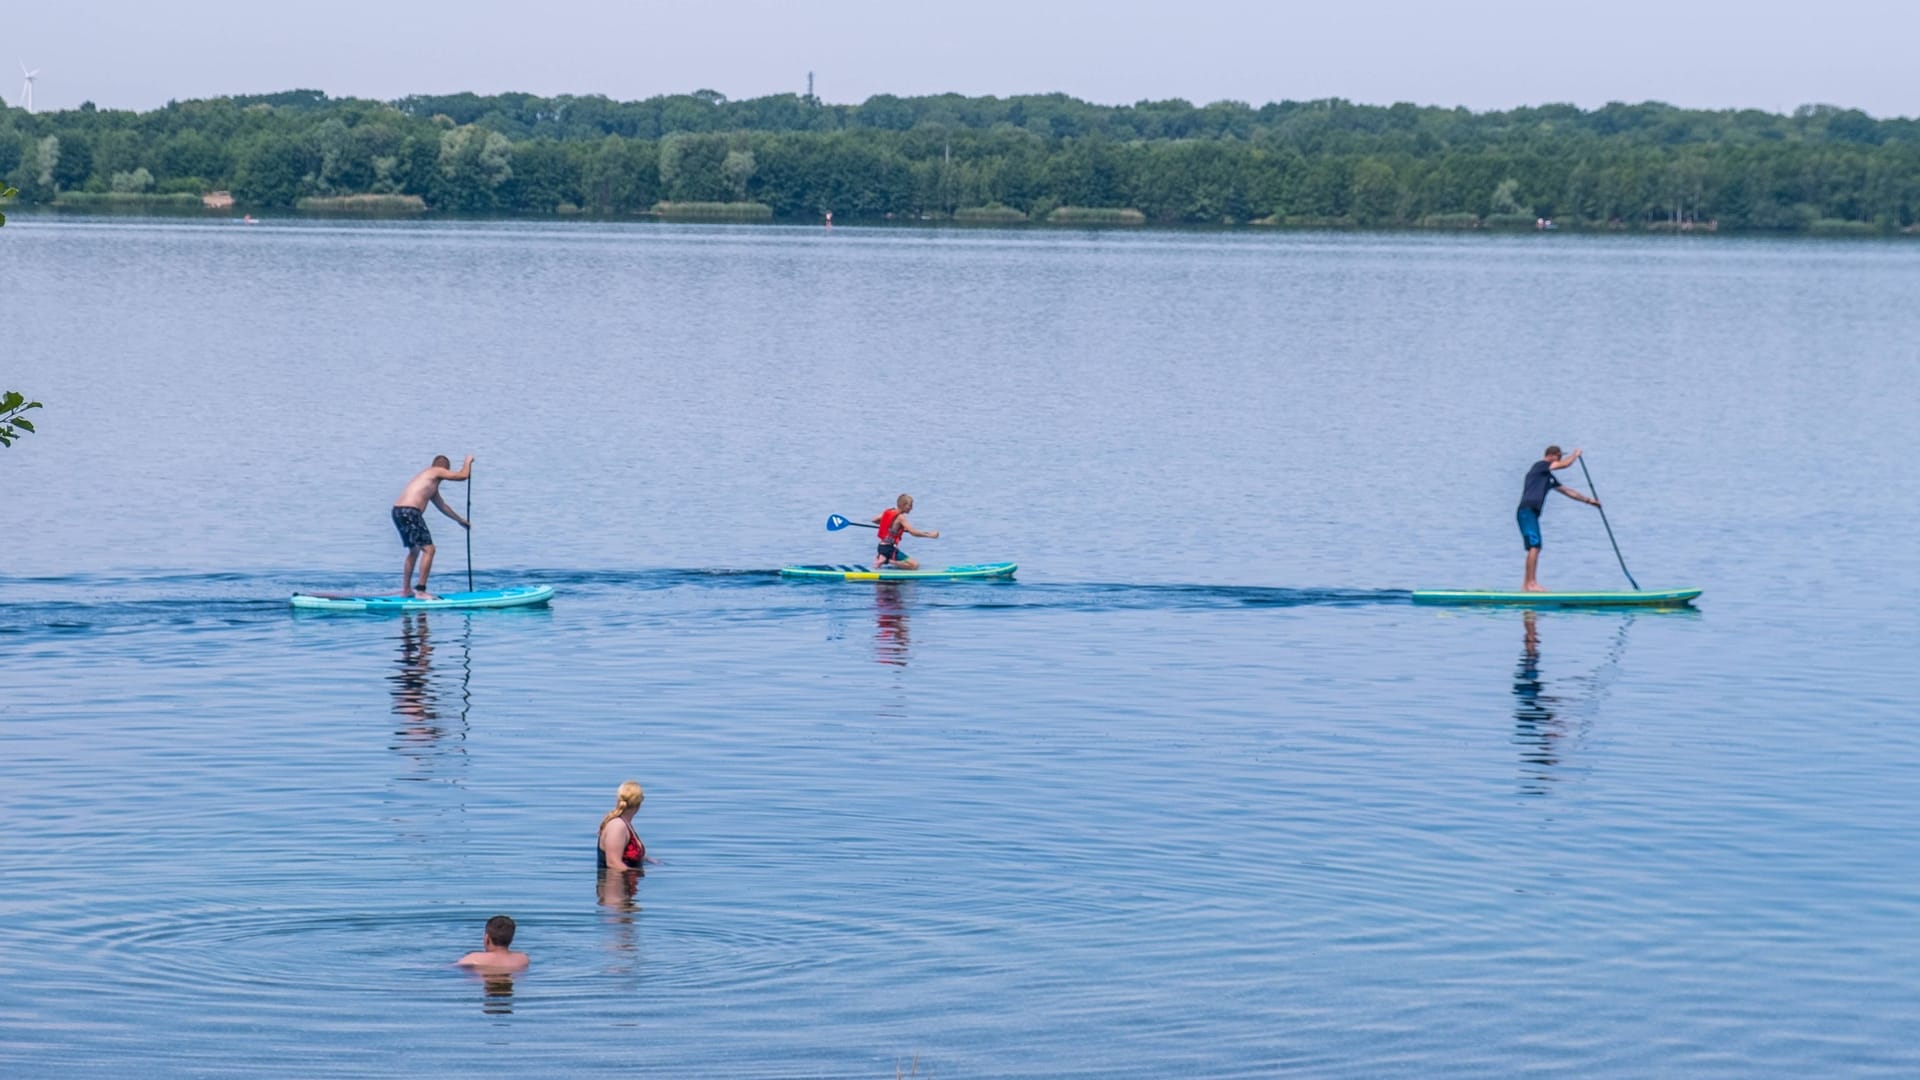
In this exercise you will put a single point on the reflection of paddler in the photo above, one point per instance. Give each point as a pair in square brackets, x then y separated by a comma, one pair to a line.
[890, 624]
[413, 684]
[1533, 713]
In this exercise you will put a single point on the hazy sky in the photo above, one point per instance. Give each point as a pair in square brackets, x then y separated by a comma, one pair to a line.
[1479, 53]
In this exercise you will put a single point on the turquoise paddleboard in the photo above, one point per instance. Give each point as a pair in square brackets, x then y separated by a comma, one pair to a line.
[970, 572]
[1643, 598]
[521, 596]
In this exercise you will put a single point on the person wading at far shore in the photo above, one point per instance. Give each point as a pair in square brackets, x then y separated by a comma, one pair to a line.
[409, 517]
[1533, 499]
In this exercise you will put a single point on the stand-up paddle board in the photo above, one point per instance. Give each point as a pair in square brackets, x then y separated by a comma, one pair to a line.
[521, 596]
[852, 572]
[1643, 598]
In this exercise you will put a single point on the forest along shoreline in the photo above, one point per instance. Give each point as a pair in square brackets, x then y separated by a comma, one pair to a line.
[1047, 159]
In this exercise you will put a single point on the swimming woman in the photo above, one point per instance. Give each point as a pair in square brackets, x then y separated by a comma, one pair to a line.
[620, 848]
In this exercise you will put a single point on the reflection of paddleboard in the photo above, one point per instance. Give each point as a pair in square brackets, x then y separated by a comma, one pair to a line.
[970, 572]
[519, 596]
[1645, 598]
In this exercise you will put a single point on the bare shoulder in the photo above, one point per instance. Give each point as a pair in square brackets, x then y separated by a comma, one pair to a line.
[493, 962]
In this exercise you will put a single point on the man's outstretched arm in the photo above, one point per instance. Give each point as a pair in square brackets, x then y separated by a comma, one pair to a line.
[448, 510]
[1575, 495]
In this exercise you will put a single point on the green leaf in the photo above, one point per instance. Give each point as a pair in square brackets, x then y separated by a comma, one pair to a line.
[23, 425]
[12, 400]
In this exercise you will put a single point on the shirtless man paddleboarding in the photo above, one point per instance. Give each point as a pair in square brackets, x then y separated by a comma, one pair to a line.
[409, 517]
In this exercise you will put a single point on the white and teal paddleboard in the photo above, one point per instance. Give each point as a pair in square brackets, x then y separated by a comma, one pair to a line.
[850, 572]
[520, 596]
[1642, 598]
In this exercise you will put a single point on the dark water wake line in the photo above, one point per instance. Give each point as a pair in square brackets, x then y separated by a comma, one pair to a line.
[82, 603]
[76, 601]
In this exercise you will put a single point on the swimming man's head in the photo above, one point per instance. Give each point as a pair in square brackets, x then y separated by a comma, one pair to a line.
[500, 931]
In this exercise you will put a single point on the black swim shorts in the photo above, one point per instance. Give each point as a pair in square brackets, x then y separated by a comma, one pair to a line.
[413, 527]
[892, 553]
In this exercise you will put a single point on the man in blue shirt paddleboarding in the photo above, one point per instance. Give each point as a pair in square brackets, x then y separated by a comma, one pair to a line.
[409, 517]
[1533, 499]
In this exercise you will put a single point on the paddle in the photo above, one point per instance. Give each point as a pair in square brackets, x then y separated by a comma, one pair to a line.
[469, 529]
[1603, 521]
[835, 523]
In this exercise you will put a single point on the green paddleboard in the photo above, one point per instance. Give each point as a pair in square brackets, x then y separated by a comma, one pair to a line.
[1642, 598]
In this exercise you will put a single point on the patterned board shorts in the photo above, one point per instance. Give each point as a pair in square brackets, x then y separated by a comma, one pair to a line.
[413, 527]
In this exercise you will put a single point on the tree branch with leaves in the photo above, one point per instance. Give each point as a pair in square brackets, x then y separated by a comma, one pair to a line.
[13, 403]
[12, 424]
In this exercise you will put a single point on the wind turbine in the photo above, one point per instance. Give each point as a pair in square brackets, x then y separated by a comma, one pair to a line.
[26, 88]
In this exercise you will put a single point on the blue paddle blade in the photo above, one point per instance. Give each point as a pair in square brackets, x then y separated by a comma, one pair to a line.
[835, 523]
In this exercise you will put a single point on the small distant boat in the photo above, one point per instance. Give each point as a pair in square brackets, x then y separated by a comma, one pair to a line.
[250, 219]
[854, 572]
[520, 596]
[1642, 598]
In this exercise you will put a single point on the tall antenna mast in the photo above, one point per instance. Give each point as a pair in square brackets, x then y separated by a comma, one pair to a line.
[809, 87]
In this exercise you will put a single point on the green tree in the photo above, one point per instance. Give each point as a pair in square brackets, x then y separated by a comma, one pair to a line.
[273, 171]
[474, 162]
[1377, 194]
[136, 181]
[692, 167]
[737, 167]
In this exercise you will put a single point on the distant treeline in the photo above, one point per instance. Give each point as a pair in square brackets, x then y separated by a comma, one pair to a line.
[990, 159]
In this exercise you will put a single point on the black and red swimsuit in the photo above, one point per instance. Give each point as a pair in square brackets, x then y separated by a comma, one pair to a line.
[634, 854]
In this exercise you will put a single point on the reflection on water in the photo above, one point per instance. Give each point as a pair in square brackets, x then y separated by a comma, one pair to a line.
[497, 996]
[890, 641]
[1537, 726]
[1546, 725]
[618, 889]
[432, 708]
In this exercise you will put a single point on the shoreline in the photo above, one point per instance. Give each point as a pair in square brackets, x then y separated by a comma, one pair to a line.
[961, 220]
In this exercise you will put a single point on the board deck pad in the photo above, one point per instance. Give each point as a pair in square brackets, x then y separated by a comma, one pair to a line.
[1642, 598]
[519, 596]
[856, 572]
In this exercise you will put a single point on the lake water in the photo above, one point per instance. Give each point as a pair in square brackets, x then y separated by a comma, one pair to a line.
[1201, 793]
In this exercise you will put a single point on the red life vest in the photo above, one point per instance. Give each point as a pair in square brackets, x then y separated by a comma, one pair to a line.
[889, 534]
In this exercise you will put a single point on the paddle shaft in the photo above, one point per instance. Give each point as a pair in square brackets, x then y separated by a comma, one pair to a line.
[469, 529]
[1603, 521]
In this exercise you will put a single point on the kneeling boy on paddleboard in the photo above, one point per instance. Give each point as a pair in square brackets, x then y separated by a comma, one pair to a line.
[892, 523]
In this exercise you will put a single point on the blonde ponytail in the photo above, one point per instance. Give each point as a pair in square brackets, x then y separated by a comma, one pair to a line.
[628, 797]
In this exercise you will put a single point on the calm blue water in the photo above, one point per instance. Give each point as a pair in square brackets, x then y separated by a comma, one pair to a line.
[1201, 793]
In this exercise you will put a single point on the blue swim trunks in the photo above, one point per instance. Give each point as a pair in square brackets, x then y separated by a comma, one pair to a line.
[1529, 520]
